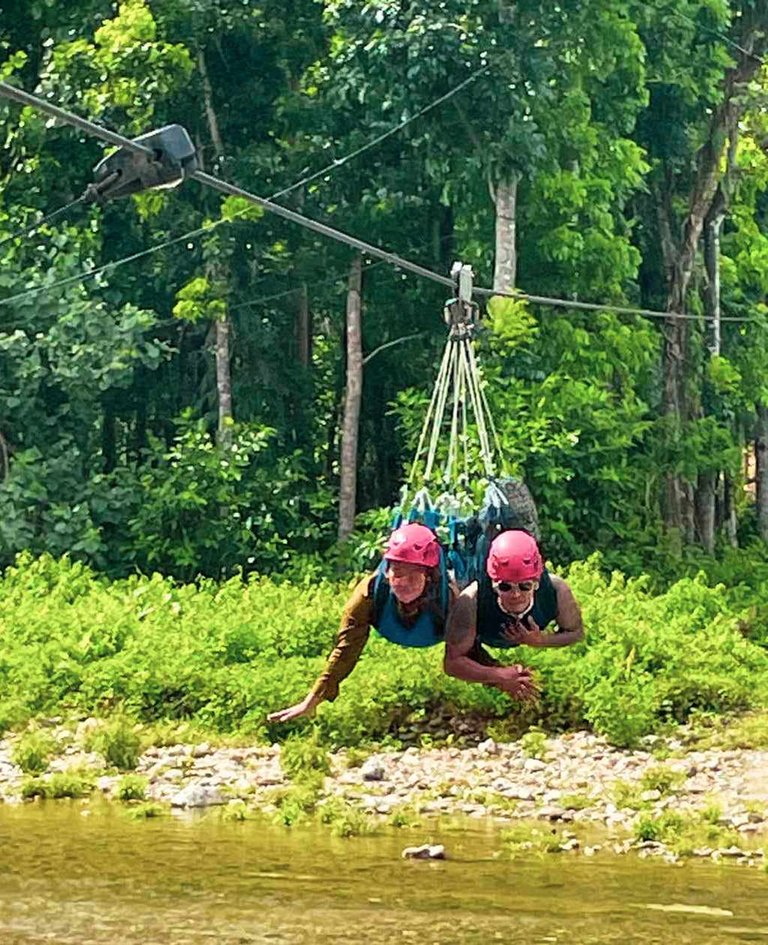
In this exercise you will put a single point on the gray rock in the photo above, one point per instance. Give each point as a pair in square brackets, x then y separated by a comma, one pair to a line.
[372, 770]
[553, 812]
[535, 764]
[425, 852]
[196, 795]
[521, 793]
[488, 747]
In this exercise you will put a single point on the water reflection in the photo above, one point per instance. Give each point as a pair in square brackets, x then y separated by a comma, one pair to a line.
[104, 880]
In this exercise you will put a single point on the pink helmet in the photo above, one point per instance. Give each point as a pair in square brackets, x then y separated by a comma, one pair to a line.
[514, 556]
[414, 544]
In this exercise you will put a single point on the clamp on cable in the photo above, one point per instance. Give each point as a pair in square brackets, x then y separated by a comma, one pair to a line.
[461, 313]
[168, 156]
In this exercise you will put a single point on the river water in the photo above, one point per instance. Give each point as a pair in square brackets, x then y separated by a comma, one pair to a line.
[71, 875]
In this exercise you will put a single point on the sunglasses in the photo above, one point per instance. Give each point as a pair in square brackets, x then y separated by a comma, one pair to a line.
[524, 586]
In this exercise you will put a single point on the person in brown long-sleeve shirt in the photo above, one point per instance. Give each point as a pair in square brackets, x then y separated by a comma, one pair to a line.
[406, 600]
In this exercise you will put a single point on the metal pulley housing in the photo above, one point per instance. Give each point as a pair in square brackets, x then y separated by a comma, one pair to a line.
[168, 157]
[461, 312]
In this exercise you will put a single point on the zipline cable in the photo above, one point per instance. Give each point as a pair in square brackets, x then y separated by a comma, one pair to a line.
[323, 229]
[387, 134]
[726, 39]
[48, 218]
[105, 134]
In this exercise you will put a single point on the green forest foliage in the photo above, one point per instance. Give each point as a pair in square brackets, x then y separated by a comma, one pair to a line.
[222, 655]
[598, 110]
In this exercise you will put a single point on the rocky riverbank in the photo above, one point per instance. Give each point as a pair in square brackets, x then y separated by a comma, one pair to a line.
[668, 799]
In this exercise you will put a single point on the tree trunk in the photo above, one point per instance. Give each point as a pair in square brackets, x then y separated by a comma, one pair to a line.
[729, 512]
[210, 113]
[761, 470]
[352, 400]
[505, 270]
[712, 230]
[224, 381]
[303, 327]
[5, 464]
[679, 259]
[705, 509]
[138, 440]
[223, 324]
[108, 437]
[706, 489]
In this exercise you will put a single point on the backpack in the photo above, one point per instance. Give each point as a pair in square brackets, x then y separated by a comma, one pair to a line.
[507, 504]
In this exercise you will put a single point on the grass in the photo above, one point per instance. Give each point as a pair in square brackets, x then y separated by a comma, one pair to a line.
[76, 783]
[663, 779]
[576, 801]
[530, 838]
[534, 744]
[345, 820]
[33, 751]
[118, 740]
[405, 816]
[746, 731]
[491, 799]
[302, 757]
[357, 756]
[234, 812]
[295, 804]
[147, 810]
[132, 787]
[684, 833]
[628, 795]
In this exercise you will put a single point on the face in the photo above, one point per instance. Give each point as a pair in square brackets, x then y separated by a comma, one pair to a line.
[515, 598]
[406, 580]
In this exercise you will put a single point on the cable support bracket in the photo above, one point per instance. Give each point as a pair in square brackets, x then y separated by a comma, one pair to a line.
[461, 314]
[166, 157]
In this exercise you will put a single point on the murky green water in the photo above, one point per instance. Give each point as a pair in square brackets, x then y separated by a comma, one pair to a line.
[66, 879]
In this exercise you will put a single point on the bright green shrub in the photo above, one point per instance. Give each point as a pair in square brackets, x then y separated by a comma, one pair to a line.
[58, 785]
[132, 787]
[118, 741]
[219, 657]
[33, 750]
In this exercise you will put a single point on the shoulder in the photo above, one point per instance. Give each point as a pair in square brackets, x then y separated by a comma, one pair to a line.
[362, 591]
[556, 581]
[568, 610]
[464, 609]
[561, 587]
[462, 622]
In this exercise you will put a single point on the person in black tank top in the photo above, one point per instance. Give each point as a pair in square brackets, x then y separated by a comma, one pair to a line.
[511, 604]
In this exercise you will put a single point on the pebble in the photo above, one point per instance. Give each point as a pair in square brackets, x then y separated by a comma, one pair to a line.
[372, 770]
[426, 852]
[492, 779]
[197, 795]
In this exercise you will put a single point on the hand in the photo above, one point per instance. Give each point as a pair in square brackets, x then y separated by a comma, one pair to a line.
[517, 682]
[516, 632]
[305, 707]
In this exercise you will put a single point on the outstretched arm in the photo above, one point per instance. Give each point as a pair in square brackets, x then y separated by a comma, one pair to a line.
[461, 632]
[353, 635]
